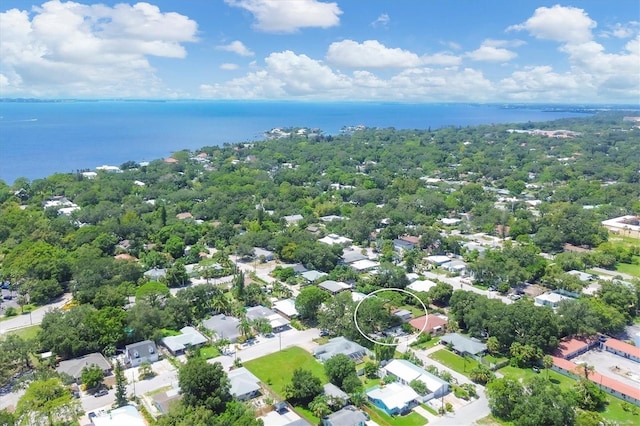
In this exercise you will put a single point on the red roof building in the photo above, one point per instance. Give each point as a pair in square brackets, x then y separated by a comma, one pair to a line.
[571, 348]
[618, 389]
[622, 349]
[435, 324]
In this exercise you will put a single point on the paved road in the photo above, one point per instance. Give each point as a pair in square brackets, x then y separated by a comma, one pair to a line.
[35, 317]
[457, 284]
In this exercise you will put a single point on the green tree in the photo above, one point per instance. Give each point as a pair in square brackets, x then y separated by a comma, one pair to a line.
[440, 293]
[174, 246]
[121, 385]
[308, 302]
[320, 406]
[419, 386]
[92, 376]
[145, 371]
[547, 361]
[481, 374]
[204, 384]
[154, 293]
[504, 395]
[385, 352]
[589, 396]
[304, 387]
[47, 402]
[339, 367]
[7, 418]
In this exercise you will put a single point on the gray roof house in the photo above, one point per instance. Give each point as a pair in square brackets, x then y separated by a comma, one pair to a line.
[73, 367]
[350, 256]
[278, 323]
[340, 345]
[137, 353]
[335, 394]
[348, 416]
[334, 287]
[313, 275]
[155, 274]
[463, 344]
[224, 327]
[260, 252]
[244, 385]
[188, 337]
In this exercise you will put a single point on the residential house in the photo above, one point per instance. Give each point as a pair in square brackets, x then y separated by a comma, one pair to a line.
[223, 326]
[350, 256]
[335, 395]
[455, 266]
[155, 274]
[166, 400]
[430, 324]
[340, 345]
[189, 337]
[406, 372]
[464, 345]
[286, 308]
[313, 275]
[332, 239]
[394, 398]
[347, 416]
[437, 260]
[403, 314]
[278, 323]
[331, 218]
[137, 353]
[582, 276]
[364, 265]
[244, 385]
[260, 253]
[550, 299]
[421, 285]
[126, 415]
[73, 367]
[334, 287]
[293, 219]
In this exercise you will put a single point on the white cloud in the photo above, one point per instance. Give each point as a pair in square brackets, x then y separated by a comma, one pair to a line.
[229, 67]
[443, 59]
[451, 45]
[370, 54]
[89, 50]
[280, 16]
[619, 30]
[558, 23]
[541, 82]
[381, 21]
[488, 52]
[287, 75]
[236, 47]
[503, 43]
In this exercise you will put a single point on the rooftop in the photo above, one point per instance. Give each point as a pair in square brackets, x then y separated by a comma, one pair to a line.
[624, 347]
[432, 322]
[464, 344]
[73, 367]
[394, 395]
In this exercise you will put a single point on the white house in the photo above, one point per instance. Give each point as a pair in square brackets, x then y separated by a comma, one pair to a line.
[137, 353]
[550, 299]
[407, 372]
[394, 398]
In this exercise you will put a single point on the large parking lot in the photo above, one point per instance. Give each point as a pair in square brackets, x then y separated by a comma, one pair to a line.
[614, 366]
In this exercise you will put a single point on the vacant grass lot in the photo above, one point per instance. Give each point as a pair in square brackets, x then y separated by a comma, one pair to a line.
[26, 332]
[454, 362]
[276, 370]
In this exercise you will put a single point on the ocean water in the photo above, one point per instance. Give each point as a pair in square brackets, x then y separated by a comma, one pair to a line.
[38, 139]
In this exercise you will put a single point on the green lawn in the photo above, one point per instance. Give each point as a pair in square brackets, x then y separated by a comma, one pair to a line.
[307, 414]
[615, 412]
[276, 370]
[26, 333]
[208, 352]
[383, 419]
[525, 373]
[454, 362]
[627, 268]
[428, 345]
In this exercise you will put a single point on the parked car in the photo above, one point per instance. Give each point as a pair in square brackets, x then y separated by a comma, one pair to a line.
[536, 369]
[7, 297]
[101, 392]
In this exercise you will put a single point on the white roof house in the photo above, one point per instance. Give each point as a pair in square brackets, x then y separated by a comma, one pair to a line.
[450, 221]
[244, 385]
[550, 299]
[127, 415]
[364, 265]
[188, 337]
[293, 219]
[334, 287]
[438, 259]
[335, 239]
[393, 398]
[286, 307]
[407, 372]
[278, 323]
[421, 285]
[313, 275]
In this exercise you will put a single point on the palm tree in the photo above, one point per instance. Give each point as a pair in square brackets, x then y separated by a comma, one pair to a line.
[547, 361]
[359, 399]
[262, 325]
[220, 304]
[244, 327]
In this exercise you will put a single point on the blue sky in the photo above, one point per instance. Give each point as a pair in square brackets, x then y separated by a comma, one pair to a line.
[369, 50]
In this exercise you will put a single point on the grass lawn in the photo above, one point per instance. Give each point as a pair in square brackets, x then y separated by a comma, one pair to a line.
[383, 419]
[454, 362]
[627, 268]
[615, 412]
[429, 409]
[276, 370]
[525, 373]
[428, 345]
[27, 332]
[307, 414]
[208, 352]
